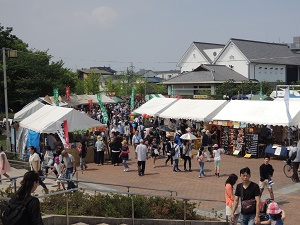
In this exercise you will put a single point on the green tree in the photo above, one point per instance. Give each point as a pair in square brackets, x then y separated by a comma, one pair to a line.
[91, 83]
[159, 88]
[228, 88]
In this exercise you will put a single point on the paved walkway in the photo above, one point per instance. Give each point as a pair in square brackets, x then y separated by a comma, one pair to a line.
[187, 184]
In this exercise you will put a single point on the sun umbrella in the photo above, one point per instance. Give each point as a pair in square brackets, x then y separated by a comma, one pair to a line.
[188, 136]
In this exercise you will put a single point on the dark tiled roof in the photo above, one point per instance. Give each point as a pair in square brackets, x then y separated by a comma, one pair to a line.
[154, 79]
[97, 71]
[203, 46]
[207, 73]
[264, 52]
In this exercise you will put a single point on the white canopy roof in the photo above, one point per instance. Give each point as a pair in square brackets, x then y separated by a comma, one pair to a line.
[260, 112]
[83, 99]
[155, 105]
[195, 109]
[28, 110]
[47, 119]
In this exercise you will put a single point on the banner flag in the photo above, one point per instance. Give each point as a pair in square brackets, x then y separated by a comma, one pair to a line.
[103, 109]
[132, 98]
[67, 93]
[172, 91]
[55, 94]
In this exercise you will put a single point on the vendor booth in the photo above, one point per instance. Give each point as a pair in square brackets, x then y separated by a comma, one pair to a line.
[258, 123]
[56, 120]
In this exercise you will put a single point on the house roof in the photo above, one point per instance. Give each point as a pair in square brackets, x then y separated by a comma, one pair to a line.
[154, 79]
[265, 52]
[97, 71]
[203, 46]
[208, 74]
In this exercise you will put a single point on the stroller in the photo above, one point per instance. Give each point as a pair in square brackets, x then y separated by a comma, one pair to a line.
[263, 209]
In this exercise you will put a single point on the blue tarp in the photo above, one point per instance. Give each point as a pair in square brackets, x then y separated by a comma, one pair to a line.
[33, 140]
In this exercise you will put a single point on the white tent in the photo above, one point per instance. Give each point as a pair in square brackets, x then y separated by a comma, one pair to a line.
[28, 110]
[47, 119]
[260, 112]
[155, 106]
[195, 109]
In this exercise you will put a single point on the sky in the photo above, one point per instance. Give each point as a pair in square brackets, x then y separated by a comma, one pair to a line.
[145, 34]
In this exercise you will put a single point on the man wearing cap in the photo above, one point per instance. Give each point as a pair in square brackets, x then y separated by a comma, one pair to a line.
[141, 154]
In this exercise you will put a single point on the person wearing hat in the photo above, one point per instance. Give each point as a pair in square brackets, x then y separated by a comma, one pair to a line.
[276, 215]
[99, 151]
[124, 155]
[217, 158]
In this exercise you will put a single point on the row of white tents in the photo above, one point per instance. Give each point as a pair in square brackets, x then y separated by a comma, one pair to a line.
[253, 112]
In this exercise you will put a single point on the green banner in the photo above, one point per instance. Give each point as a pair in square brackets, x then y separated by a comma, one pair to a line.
[172, 91]
[103, 109]
[55, 95]
[132, 99]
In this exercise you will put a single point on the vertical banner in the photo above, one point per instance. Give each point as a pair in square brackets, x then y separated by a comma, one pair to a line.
[66, 130]
[172, 91]
[260, 91]
[67, 93]
[103, 109]
[90, 104]
[132, 98]
[55, 94]
[60, 128]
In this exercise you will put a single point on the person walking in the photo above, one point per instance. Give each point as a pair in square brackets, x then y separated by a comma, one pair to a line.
[229, 197]
[217, 159]
[60, 172]
[169, 146]
[4, 166]
[266, 173]
[141, 154]
[116, 147]
[35, 165]
[187, 154]
[70, 166]
[99, 151]
[247, 190]
[124, 155]
[176, 156]
[205, 144]
[295, 162]
[32, 214]
[136, 139]
[154, 150]
[200, 159]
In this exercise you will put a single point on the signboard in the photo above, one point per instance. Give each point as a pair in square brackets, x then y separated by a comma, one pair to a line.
[200, 96]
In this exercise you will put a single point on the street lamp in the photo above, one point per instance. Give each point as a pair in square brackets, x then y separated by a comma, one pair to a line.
[11, 53]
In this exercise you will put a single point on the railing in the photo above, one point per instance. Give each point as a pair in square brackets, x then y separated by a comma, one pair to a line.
[184, 198]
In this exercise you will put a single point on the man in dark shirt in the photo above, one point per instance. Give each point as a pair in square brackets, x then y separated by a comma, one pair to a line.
[247, 190]
[266, 172]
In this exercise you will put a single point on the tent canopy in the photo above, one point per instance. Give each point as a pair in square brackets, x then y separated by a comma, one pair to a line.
[84, 99]
[155, 106]
[150, 96]
[260, 112]
[47, 119]
[195, 109]
[28, 110]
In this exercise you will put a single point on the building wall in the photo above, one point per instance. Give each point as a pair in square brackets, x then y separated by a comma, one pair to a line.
[189, 89]
[267, 72]
[193, 59]
[234, 59]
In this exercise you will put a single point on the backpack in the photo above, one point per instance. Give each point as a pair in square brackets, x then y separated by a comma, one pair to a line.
[173, 150]
[294, 155]
[13, 213]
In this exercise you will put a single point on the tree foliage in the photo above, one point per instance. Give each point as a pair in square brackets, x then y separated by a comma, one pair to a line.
[32, 74]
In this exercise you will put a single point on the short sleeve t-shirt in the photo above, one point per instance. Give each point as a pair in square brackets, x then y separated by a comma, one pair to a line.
[68, 161]
[249, 193]
[32, 161]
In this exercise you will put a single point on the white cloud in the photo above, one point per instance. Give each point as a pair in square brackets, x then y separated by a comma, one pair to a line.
[104, 15]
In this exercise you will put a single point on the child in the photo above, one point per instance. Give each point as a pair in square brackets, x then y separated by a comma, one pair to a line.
[276, 215]
[124, 155]
[4, 166]
[200, 159]
[59, 167]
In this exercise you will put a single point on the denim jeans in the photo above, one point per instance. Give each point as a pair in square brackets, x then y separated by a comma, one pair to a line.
[175, 167]
[69, 172]
[247, 219]
[201, 164]
[125, 164]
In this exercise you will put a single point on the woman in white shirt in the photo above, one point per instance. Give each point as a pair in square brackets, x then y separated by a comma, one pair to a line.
[35, 165]
[217, 159]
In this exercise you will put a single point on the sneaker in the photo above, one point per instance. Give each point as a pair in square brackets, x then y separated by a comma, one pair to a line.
[190, 170]
[200, 176]
[127, 169]
[185, 170]
[154, 166]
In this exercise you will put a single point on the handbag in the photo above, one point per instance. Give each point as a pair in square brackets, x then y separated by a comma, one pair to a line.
[248, 206]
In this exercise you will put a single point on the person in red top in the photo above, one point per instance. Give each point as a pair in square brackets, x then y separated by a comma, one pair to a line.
[229, 197]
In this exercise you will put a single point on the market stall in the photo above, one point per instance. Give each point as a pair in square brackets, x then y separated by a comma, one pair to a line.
[56, 120]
